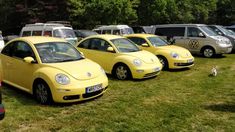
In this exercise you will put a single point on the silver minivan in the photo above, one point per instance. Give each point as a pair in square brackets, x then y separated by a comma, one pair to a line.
[197, 38]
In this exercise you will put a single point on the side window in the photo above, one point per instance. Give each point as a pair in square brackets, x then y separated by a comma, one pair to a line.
[84, 44]
[8, 49]
[116, 32]
[193, 32]
[36, 33]
[47, 33]
[22, 50]
[99, 44]
[26, 33]
[106, 32]
[138, 41]
[170, 31]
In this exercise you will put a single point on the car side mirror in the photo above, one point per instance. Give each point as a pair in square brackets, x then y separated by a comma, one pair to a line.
[144, 45]
[110, 49]
[29, 60]
[201, 35]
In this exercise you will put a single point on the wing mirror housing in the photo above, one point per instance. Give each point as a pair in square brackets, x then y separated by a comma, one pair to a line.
[29, 60]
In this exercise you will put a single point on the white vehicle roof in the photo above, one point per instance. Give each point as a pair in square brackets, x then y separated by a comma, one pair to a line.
[112, 27]
[40, 26]
[178, 25]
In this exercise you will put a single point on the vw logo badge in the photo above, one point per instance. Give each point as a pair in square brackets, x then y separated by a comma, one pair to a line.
[88, 74]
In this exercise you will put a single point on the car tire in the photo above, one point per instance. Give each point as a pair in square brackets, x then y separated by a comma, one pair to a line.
[42, 93]
[164, 62]
[122, 72]
[208, 52]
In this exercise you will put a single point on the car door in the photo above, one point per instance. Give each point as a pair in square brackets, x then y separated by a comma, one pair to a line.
[96, 50]
[194, 40]
[22, 72]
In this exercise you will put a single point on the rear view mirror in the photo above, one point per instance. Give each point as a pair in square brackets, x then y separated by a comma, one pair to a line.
[110, 49]
[29, 60]
[144, 45]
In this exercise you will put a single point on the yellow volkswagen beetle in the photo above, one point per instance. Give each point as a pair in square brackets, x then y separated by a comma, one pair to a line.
[171, 56]
[120, 56]
[51, 69]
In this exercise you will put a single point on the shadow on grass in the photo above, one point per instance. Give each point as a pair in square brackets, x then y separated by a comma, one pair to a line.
[11, 92]
[214, 57]
[230, 107]
[178, 70]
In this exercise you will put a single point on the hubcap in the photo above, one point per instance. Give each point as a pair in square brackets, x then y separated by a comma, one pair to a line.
[121, 72]
[41, 93]
[208, 52]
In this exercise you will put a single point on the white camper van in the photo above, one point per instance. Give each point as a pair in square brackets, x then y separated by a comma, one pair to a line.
[114, 29]
[49, 29]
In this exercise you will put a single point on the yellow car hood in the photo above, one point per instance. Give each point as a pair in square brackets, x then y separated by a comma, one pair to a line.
[172, 48]
[145, 56]
[81, 70]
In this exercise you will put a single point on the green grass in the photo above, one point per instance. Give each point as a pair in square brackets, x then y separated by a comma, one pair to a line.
[176, 100]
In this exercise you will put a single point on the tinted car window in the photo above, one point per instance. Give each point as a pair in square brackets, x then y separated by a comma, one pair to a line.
[84, 44]
[193, 32]
[170, 31]
[99, 44]
[22, 50]
[26, 33]
[138, 41]
[8, 50]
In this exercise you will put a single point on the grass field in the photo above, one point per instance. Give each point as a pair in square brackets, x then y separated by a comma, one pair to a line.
[177, 100]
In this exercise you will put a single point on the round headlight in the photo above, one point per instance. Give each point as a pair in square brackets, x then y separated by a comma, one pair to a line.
[137, 62]
[62, 79]
[174, 55]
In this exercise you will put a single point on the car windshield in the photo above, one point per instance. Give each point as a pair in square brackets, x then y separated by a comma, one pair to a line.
[125, 45]
[53, 52]
[127, 31]
[225, 31]
[88, 33]
[64, 33]
[157, 41]
[208, 31]
[231, 31]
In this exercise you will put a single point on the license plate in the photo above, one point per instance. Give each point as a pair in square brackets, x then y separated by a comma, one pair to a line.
[156, 69]
[94, 88]
[190, 60]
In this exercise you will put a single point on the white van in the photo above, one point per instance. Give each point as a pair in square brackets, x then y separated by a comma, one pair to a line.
[1, 41]
[197, 38]
[114, 29]
[49, 29]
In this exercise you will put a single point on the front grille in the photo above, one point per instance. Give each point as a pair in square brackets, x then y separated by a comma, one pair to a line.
[71, 97]
[151, 74]
[184, 64]
[87, 95]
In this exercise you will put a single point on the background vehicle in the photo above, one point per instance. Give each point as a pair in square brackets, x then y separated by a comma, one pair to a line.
[52, 69]
[120, 56]
[1, 41]
[114, 29]
[80, 34]
[142, 29]
[2, 110]
[231, 27]
[220, 30]
[197, 38]
[49, 29]
[170, 56]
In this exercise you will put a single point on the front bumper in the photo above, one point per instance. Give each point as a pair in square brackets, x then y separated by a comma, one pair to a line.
[146, 72]
[181, 63]
[224, 50]
[76, 92]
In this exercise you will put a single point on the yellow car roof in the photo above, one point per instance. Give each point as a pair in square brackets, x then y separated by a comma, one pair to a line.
[140, 35]
[106, 36]
[39, 39]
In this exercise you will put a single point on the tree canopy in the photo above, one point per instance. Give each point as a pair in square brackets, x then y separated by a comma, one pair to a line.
[87, 14]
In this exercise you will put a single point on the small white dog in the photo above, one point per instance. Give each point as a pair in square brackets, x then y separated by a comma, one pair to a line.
[214, 71]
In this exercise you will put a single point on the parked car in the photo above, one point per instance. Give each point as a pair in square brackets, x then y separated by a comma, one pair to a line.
[197, 38]
[9, 38]
[2, 110]
[171, 56]
[142, 29]
[49, 29]
[1, 41]
[220, 30]
[81, 34]
[231, 27]
[120, 56]
[51, 69]
[114, 29]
